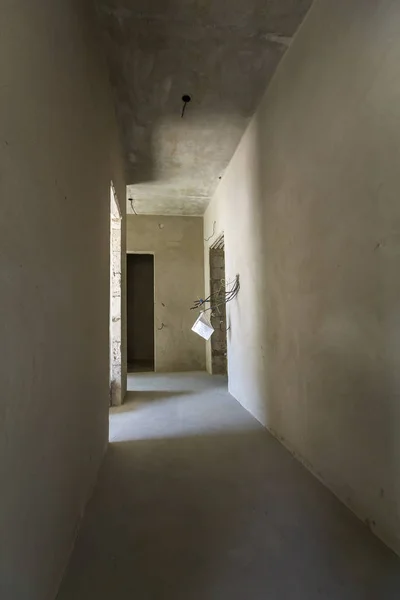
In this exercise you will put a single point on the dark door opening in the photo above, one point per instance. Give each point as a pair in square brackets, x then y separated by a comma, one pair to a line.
[218, 308]
[140, 312]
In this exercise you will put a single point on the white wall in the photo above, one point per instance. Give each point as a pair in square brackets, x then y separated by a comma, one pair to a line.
[58, 154]
[177, 245]
[311, 214]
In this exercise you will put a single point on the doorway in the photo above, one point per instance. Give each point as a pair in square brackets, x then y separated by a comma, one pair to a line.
[219, 346]
[140, 312]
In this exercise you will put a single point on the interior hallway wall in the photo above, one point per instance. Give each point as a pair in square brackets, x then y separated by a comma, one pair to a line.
[177, 245]
[311, 214]
[59, 151]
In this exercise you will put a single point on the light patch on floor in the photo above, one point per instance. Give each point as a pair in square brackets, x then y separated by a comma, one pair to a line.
[196, 501]
[168, 406]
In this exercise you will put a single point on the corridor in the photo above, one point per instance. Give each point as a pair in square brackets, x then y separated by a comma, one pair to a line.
[196, 501]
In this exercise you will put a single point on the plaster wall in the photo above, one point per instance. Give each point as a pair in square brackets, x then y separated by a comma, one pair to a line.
[177, 245]
[311, 214]
[59, 151]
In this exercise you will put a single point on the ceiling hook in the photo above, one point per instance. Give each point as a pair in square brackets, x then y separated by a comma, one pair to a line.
[185, 99]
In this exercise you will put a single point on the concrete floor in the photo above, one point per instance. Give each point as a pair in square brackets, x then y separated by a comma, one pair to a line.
[196, 501]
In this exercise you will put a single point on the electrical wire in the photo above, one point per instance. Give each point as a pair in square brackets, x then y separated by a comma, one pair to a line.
[219, 298]
[213, 232]
[132, 207]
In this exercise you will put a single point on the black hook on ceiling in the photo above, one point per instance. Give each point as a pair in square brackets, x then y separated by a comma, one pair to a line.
[185, 99]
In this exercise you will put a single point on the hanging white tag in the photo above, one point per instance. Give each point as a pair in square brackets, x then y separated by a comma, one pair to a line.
[203, 327]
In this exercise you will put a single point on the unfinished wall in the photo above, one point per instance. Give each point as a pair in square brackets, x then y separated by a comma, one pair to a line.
[58, 154]
[116, 364]
[311, 214]
[217, 314]
[177, 245]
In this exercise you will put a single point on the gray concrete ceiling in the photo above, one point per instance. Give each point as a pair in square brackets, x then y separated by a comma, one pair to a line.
[221, 52]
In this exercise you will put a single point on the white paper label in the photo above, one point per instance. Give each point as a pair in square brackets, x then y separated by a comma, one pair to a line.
[203, 327]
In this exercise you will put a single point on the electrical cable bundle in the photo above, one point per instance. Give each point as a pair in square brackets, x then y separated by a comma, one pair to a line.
[223, 296]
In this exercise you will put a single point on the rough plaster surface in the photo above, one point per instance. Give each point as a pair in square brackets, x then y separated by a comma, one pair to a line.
[311, 215]
[58, 154]
[218, 339]
[116, 376]
[196, 501]
[177, 244]
[221, 53]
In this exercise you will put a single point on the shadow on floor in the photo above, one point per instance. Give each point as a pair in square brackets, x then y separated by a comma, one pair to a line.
[140, 366]
[225, 516]
[150, 395]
